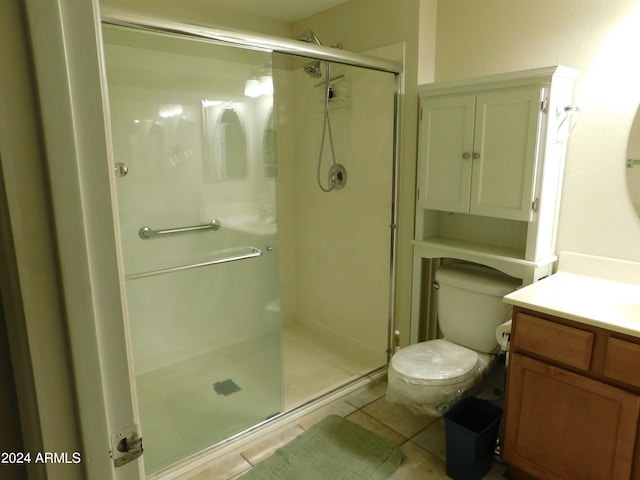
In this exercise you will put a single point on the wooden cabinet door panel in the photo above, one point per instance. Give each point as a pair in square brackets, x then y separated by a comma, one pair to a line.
[622, 361]
[563, 426]
[506, 141]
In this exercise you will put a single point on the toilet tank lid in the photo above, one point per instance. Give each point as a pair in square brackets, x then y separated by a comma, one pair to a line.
[477, 278]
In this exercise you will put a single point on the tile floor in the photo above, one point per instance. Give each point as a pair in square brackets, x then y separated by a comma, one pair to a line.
[421, 438]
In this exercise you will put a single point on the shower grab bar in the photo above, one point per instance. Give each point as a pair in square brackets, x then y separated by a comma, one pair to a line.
[253, 252]
[145, 233]
[631, 162]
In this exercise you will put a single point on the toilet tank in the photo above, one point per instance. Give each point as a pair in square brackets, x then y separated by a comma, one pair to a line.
[470, 305]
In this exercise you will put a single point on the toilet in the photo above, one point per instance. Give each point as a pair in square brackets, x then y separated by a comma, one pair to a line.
[430, 377]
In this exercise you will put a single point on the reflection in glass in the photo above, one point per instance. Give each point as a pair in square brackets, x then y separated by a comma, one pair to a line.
[269, 149]
[226, 145]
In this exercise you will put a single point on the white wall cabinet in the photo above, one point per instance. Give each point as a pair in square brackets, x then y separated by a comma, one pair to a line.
[490, 166]
[479, 152]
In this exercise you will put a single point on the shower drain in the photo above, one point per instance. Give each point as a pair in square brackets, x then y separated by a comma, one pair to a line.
[226, 387]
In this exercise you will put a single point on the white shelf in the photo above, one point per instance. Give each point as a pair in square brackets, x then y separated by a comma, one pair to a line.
[509, 260]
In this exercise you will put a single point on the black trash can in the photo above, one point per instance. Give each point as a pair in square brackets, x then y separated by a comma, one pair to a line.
[471, 432]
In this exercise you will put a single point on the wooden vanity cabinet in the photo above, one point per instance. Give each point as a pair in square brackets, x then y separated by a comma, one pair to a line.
[573, 401]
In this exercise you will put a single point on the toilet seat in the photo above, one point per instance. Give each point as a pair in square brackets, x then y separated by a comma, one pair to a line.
[430, 377]
[436, 362]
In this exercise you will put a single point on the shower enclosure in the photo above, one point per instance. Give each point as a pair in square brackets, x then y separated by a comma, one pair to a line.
[250, 290]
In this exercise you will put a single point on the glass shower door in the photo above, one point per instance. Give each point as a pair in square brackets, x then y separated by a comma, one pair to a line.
[193, 138]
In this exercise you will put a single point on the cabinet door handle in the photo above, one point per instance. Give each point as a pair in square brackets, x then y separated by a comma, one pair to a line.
[466, 155]
[476, 156]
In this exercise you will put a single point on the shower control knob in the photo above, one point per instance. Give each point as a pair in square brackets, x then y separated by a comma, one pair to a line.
[466, 155]
[120, 169]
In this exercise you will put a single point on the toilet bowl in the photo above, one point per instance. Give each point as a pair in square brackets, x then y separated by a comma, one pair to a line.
[430, 377]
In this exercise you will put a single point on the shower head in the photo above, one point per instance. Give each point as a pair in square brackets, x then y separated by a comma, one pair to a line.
[313, 69]
[309, 37]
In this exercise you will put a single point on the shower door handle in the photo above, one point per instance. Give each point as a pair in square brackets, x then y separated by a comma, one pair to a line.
[145, 233]
[231, 255]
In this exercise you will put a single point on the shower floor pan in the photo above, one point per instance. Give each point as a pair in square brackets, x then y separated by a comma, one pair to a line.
[189, 406]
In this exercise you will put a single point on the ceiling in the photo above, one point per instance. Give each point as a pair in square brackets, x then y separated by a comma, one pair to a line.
[286, 10]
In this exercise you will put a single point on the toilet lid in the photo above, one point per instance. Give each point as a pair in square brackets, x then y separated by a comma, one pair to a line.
[436, 362]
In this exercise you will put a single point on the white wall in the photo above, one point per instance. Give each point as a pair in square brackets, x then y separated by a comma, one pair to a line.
[201, 12]
[602, 40]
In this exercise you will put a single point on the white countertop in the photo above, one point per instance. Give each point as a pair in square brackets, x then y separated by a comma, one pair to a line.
[597, 291]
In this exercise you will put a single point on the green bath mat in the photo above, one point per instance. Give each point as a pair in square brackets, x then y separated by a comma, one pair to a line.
[333, 449]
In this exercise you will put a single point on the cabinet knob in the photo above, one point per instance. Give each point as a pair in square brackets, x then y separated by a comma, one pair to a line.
[466, 155]
[476, 156]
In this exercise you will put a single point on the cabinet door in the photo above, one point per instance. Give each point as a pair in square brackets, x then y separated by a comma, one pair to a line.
[563, 426]
[446, 138]
[506, 144]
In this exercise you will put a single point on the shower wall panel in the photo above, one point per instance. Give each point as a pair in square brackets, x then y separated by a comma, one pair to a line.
[342, 238]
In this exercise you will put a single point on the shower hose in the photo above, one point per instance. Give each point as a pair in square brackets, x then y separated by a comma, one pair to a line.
[326, 125]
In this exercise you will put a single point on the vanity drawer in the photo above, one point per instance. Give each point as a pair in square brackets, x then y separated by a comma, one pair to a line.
[622, 361]
[554, 341]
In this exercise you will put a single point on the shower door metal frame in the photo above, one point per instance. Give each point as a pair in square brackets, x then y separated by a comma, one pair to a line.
[250, 40]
